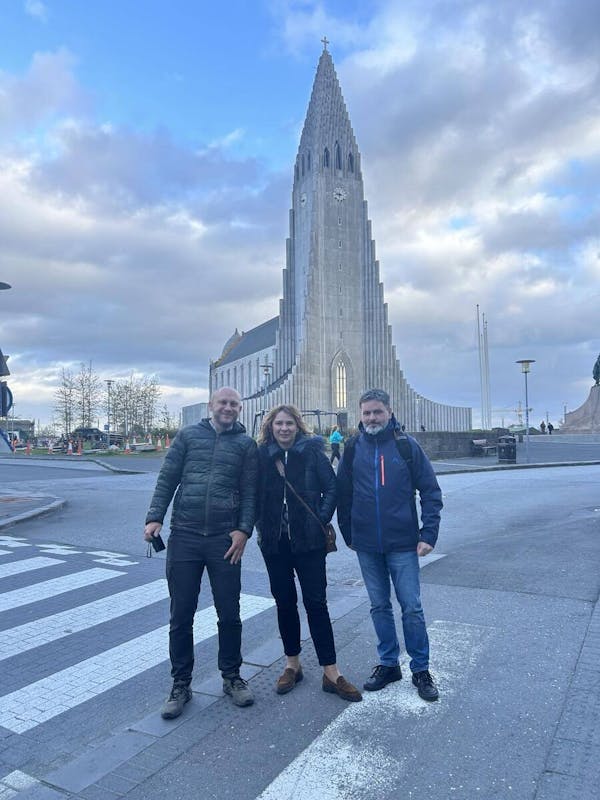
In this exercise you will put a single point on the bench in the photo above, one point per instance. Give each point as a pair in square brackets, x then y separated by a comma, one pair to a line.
[481, 447]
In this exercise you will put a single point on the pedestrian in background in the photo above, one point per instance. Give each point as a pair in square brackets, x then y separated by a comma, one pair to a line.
[335, 440]
[296, 500]
[211, 469]
[377, 477]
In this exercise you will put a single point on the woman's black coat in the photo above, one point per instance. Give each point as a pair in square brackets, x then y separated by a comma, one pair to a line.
[310, 473]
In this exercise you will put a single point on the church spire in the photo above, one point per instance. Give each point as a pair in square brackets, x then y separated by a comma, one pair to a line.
[327, 132]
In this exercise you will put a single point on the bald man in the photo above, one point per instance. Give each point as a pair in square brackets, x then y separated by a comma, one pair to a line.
[211, 469]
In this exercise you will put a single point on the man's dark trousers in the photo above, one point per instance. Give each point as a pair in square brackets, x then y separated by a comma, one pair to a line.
[187, 555]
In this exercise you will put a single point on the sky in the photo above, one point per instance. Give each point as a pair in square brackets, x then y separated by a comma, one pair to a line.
[146, 159]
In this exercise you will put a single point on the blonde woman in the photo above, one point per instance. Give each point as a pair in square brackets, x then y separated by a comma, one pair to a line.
[296, 498]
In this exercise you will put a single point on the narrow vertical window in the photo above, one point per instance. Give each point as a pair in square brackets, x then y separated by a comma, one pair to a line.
[338, 156]
[340, 385]
[308, 161]
[326, 157]
[303, 163]
[350, 162]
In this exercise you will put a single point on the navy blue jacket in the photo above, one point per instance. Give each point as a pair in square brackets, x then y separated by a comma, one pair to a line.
[376, 501]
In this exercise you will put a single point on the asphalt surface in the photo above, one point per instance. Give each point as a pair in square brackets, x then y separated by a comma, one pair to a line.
[510, 594]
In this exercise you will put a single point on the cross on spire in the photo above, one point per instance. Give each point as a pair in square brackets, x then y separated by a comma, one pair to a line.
[325, 41]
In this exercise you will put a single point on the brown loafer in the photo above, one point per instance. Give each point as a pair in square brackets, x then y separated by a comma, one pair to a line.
[342, 688]
[288, 679]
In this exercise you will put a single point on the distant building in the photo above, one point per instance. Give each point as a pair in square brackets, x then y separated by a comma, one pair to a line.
[194, 413]
[332, 339]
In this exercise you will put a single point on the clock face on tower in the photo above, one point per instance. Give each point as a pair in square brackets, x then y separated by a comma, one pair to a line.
[339, 194]
[303, 199]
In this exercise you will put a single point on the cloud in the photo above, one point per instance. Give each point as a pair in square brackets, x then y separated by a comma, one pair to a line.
[48, 89]
[479, 129]
[36, 9]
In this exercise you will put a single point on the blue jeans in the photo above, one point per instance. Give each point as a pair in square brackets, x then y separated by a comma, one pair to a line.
[403, 570]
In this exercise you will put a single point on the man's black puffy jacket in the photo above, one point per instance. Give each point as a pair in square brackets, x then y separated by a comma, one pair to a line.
[215, 477]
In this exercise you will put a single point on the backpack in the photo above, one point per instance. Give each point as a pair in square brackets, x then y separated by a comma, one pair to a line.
[402, 445]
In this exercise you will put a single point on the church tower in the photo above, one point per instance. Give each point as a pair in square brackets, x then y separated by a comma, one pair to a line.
[331, 340]
[322, 313]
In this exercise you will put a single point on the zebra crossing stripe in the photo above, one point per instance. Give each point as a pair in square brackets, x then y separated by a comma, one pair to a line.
[38, 702]
[57, 626]
[55, 586]
[27, 565]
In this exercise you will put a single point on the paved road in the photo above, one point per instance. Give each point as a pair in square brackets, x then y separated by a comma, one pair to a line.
[511, 602]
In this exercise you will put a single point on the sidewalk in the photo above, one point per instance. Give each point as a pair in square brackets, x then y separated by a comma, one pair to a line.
[15, 507]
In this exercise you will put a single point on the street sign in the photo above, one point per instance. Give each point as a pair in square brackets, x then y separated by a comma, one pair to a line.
[6, 399]
[4, 370]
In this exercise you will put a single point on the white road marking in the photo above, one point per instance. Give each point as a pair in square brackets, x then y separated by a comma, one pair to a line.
[40, 701]
[58, 549]
[27, 565]
[111, 559]
[55, 586]
[13, 541]
[346, 761]
[57, 626]
[5, 552]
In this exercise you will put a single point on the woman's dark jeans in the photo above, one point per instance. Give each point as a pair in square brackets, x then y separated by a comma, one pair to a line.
[310, 569]
[187, 556]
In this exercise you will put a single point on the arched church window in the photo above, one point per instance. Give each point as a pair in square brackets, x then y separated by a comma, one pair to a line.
[326, 157]
[350, 162]
[338, 156]
[340, 385]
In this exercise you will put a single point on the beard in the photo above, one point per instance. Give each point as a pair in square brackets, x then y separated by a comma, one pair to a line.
[373, 430]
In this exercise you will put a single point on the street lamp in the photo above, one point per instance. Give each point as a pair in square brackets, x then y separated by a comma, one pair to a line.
[266, 372]
[525, 368]
[109, 383]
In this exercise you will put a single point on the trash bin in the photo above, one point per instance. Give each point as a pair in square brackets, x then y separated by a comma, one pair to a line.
[507, 450]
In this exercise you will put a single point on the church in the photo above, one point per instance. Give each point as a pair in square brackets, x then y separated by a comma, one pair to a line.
[331, 340]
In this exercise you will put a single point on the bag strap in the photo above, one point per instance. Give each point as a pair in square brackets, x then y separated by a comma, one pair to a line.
[281, 471]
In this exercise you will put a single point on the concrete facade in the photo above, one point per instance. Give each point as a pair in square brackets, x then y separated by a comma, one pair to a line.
[332, 339]
[586, 418]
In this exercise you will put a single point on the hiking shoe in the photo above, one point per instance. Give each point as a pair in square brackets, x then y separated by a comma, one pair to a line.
[381, 676]
[425, 685]
[342, 688]
[173, 705]
[288, 679]
[239, 691]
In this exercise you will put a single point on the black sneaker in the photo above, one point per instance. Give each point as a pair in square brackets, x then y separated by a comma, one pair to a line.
[239, 691]
[173, 705]
[381, 676]
[425, 685]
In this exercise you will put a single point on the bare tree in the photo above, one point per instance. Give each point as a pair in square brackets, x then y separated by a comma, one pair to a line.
[133, 404]
[87, 388]
[166, 423]
[64, 401]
